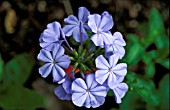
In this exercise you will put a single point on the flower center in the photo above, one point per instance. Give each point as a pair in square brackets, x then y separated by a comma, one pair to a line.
[88, 90]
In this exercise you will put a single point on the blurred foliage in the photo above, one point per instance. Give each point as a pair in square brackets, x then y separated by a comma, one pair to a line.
[13, 94]
[143, 93]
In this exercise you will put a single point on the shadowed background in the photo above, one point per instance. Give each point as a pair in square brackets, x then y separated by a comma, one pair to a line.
[144, 25]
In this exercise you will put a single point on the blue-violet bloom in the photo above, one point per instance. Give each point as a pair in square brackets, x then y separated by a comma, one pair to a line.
[117, 46]
[64, 91]
[88, 92]
[55, 63]
[50, 37]
[100, 25]
[119, 90]
[76, 27]
[109, 71]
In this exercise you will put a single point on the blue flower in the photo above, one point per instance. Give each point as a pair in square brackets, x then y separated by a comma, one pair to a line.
[100, 25]
[119, 90]
[54, 63]
[50, 37]
[117, 46]
[61, 93]
[76, 26]
[109, 71]
[88, 92]
[64, 91]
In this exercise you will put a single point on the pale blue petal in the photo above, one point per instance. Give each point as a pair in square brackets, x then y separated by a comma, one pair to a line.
[120, 91]
[87, 103]
[111, 80]
[89, 80]
[58, 52]
[61, 94]
[45, 70]
[71, 20]
[69, 29]
[99, 91]
[98, 40]
[58, 73]
[118, 39]
[120, 69]
[93, 22]
[107, 38]
[79, 34]
[100, 101]
[79, 85]
[83, 14]
[106, 23]
[101, 63]
[64, 61]
[113, 59]
[79, 98]
[67, 85]
[101, 76]
[45, 56]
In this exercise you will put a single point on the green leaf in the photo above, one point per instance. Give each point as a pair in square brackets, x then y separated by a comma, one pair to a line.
[164, 62]
[132, 101]
[133, 38]
[156, 27]
[162, 42]
[20, 98]
[18, 70]
[1, 68]
[150, 70]
[164, 92]
[143, 87]
[134, 54]
[149, 56]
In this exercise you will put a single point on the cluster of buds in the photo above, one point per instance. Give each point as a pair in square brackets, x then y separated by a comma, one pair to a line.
[83, 58]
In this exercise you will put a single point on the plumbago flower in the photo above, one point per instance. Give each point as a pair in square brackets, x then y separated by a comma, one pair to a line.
[117, 46]
[55, 62]
[85, 70]
[76, 27]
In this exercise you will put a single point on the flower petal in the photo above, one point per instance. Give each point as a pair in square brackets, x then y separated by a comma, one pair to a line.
[57, 52]
[101, 63]
[52, 33]
[111, 80]
[113, 59]
[45, 56]
[100, 101]
[69, 29]
[120, 91]
[106, 23]
[71, 20]
[61, 94]
[67, 85]
[118, 39]
[79, 98]
[120, 69]
[79, 85]
[101, 76]
[45, 70]
[94, 21]
[107, 38]
[58, 73]
[64, 61]
[87, 103]
[98, 40]
[99, 91]
[83, 14]
[79, 34]
[89, 80]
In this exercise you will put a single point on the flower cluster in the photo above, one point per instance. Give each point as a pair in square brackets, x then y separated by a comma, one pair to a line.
[86, 64]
